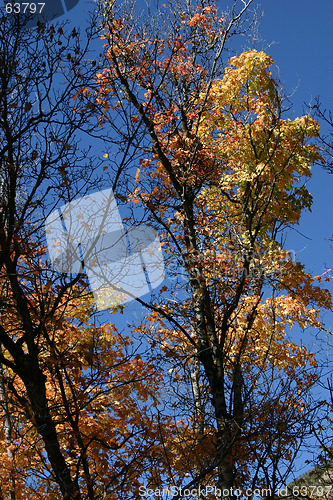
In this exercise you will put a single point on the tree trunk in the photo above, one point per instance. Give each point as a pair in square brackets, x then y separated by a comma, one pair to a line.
[7, 430]
[34, 381]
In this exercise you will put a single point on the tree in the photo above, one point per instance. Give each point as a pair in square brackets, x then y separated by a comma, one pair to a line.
[222, 175]
[77, 398]
[325, 117]
[88, 411]
[100, 396]
[322, 464]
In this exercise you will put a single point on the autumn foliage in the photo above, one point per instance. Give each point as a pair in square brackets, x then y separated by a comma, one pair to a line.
[222, 174]
[212, 385]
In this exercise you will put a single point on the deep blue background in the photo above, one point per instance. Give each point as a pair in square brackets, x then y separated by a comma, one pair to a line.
[298, 35]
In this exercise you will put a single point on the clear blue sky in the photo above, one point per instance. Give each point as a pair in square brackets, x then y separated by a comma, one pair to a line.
[298, 34]
[303, 32]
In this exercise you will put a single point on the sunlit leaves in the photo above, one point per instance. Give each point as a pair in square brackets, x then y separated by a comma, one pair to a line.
[222, 172]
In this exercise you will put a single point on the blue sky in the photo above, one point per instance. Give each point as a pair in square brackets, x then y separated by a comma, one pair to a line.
[303, 36]
[303, 51]
[298, 35]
